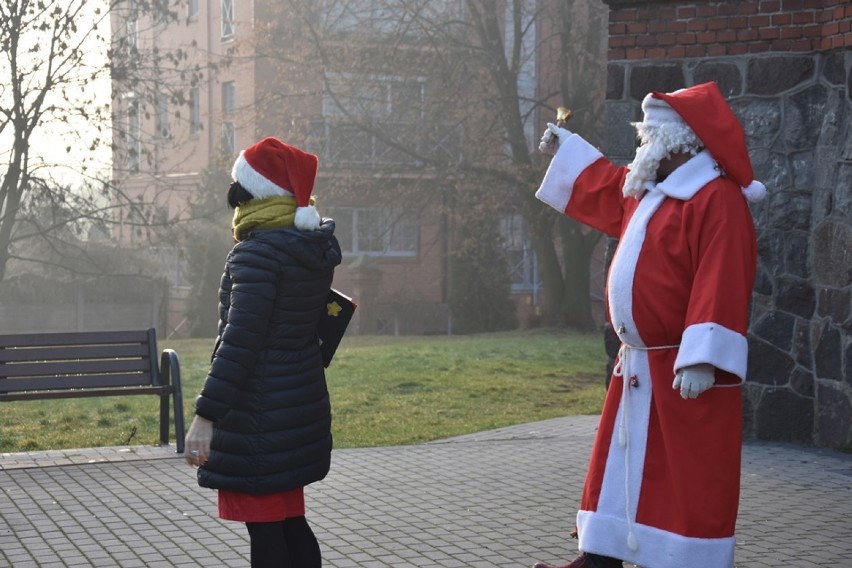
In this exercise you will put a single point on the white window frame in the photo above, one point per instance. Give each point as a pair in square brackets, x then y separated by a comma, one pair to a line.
[133, 30]
[229, 137]
[134, 135]
[527, 74]
[391, 230]
[192, 9]
[523, 267]
[372, 96]
[135, 220]
[229, 97]
[229, 27]
[383, 16]
[163, 129]
[160, 12]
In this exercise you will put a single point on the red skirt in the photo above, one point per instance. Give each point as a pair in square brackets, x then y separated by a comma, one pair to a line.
[270, 508]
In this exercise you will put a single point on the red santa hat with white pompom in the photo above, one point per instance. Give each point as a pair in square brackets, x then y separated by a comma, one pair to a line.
[707, 113]
[272, 168]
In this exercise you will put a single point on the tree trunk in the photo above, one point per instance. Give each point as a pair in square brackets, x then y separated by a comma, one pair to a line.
[541, 235]
[577, 248]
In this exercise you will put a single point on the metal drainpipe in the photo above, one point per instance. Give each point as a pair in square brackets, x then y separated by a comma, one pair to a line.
[211, 149]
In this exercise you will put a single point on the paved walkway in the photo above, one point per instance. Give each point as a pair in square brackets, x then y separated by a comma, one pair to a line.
[502, 498]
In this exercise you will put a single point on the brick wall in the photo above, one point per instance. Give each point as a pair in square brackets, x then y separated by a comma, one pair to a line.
[645, 30]
[786, 68]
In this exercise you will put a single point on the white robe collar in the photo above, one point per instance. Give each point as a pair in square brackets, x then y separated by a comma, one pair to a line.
[689, 178]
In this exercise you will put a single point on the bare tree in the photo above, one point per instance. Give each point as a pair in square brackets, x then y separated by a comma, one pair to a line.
[58, 128]
[451, 93]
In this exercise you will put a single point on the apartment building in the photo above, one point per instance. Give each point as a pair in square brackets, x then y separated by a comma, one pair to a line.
[239, 70]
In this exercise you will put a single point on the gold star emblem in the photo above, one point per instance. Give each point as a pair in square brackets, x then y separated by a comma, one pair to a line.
[333, 309]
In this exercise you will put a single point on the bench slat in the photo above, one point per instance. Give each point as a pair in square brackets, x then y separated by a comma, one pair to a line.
[53, 353]
[73, 382]
[44, 395]
[74, 338]
[67, 368]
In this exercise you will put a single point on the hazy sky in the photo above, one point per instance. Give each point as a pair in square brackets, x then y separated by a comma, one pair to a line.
[51, 138]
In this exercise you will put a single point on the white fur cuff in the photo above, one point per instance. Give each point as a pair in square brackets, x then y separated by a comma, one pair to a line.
[714, 344]
[574, 156]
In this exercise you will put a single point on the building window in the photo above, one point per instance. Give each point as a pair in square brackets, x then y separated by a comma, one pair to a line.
[134, 137]
[393, 105]
[229, 138]
[344, 16]
[136, 222]
[229, 97]
[523, 267]
[172, 261]
[382, 98]
[163, 115]
[375, 232]
[389, 16]
[527, 72]
[192, 9]
[133, 31]
[228, 23]
[161, 13]
[444, 10]
[195, 110]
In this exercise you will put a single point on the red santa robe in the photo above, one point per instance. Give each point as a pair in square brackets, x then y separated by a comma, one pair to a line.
[662, 488]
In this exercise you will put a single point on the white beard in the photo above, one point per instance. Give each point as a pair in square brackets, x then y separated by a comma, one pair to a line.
[658, 143]
[643, 168]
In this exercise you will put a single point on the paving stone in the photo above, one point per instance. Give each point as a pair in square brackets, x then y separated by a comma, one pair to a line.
[502, 498]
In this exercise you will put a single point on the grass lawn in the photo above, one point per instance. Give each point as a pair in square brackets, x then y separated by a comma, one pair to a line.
[384, 391]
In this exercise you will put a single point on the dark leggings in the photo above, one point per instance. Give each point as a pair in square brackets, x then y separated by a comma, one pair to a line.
[284, 544]
[598, 561]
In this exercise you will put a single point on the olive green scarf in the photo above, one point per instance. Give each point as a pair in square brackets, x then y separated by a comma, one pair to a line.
[267, 213]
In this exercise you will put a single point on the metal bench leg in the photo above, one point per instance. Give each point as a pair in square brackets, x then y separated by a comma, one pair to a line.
[170, 365]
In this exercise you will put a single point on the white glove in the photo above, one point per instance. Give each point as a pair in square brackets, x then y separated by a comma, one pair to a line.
[551, 139]
[694, 380]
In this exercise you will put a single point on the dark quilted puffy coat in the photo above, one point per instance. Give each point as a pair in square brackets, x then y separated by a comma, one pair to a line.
[266, 389]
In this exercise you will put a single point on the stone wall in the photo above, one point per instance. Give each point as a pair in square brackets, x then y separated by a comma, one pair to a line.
[792, 91]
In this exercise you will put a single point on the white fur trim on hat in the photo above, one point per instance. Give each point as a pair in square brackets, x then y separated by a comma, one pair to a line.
[755, 191]
[253, 182]
[659, 112]
[307, 218]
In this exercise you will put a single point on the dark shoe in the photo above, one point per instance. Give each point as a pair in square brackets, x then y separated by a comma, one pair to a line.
[585, 561]
[580, 562]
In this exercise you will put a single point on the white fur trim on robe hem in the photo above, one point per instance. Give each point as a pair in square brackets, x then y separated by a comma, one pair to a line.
[714, 344]
[607, 535]
[574, 156]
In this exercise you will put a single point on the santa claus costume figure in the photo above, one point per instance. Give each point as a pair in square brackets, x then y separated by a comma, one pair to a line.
[662, 488]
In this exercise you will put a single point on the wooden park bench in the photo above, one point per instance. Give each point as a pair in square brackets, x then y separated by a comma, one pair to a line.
[38, 366]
